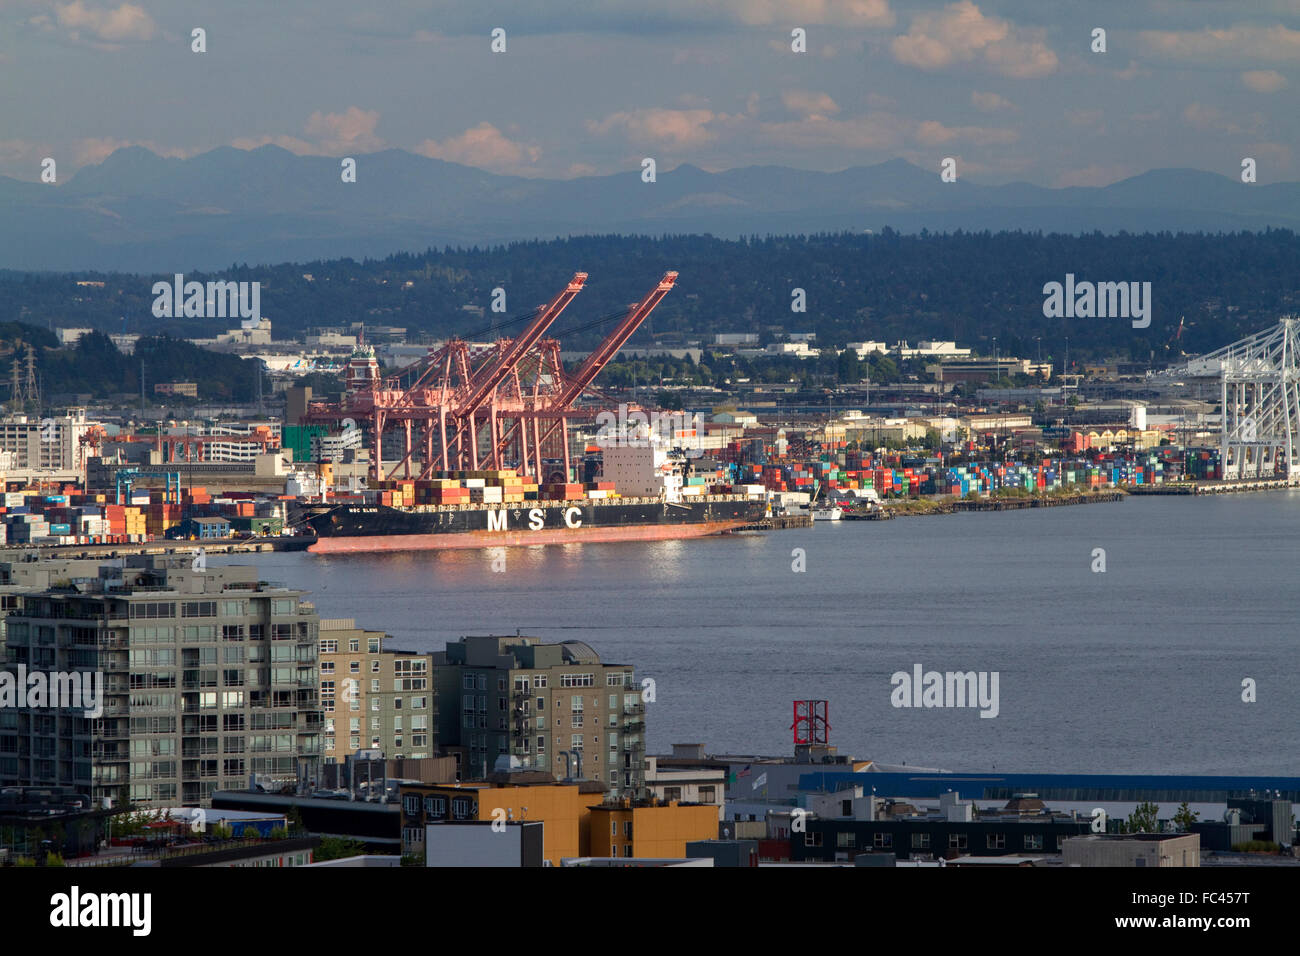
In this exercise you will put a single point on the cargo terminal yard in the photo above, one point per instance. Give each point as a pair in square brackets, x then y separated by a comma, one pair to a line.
[478, 445]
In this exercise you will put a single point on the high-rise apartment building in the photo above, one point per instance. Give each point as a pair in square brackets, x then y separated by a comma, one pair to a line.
[208, 676]
[552, 707]
[374, 698]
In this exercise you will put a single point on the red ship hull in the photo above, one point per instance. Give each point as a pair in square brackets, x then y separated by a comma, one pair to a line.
[510, 539]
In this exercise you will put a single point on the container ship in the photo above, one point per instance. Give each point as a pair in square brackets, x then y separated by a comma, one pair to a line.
[483, 509]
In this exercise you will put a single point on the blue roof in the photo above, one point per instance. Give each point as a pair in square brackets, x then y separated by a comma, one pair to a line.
[1055, 786]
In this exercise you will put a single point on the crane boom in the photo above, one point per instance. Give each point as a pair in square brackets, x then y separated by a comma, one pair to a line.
[485, 383]
[586, 372]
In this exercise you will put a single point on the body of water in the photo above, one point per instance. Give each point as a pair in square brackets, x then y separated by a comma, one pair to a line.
[1137, 668]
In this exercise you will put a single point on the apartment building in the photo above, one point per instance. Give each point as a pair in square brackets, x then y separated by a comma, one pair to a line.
[552, 707]
[373, 697]
[208, 677]
[49, 444]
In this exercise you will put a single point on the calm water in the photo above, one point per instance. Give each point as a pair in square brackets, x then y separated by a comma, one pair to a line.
[1138, 668]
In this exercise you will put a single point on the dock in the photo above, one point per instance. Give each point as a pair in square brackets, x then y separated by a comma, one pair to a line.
[779, 523]
[873, 514]
[1225, 487]
[209, 546]
[1013, 504]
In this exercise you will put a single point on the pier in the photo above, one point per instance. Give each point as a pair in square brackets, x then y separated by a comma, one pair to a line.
[1225, 487]
[164, 546]
[779, 523]
[1013, 504]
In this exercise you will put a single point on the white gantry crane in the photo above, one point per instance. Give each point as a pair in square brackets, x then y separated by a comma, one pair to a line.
[1259, 380]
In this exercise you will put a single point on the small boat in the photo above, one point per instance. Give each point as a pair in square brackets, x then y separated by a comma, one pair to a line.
[825, 513]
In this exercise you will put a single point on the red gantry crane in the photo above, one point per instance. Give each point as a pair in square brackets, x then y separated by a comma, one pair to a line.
[519, 393]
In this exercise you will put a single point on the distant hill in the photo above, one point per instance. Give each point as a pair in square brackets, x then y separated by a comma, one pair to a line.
[140, 212]
[967, 286]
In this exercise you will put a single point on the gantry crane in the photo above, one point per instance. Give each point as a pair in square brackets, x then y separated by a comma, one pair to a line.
[519, 392]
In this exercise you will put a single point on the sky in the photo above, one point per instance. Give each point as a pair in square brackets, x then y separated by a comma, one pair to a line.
[1011, 89]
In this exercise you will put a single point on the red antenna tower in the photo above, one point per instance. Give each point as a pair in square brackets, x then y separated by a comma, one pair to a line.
[811, 722]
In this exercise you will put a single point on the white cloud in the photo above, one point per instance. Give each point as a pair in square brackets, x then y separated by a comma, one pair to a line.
[960, 34]
[990, 102]
[934, 133]
[484, 147]
[111, 25]
[845, 13]
[352, 131]
[807, 103]
[332, 134]
[662, 127]
[1211, 119]
[1243, 43]
[1263, 81]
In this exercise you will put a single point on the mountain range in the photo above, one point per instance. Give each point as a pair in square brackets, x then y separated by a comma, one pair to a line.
[140, 212]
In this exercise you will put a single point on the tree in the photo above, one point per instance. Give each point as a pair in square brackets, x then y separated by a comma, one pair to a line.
[1143, 818]
[336, 848]
[670, 401]
[1185, 817]
[221, 831]
[848, 367]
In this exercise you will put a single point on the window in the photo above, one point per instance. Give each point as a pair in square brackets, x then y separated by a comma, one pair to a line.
[354, 645]
[920, 841]
[576, 706]
[577, 720]
[707, 794]
[374, 686]
[996, 841]
[374, 667]
[501, 683]
[577, 742]
[812, 839]
[846, 808]
[627, 829]
[627, 849]
[844, 841]
[957, 841]
[882, 841]
[539, 680]
[354, 667]
[541, 745]
[326, 667]
[373, 645]
[1033, 841]
[577, 680]
[672, 793]
[467, 683]
[329, 646]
